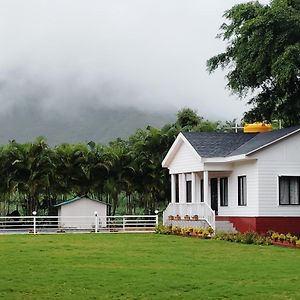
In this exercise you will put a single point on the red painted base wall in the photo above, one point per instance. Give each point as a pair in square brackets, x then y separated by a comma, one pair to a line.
[263, 224]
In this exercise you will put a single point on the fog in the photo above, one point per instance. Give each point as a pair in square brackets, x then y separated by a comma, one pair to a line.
[63, 55]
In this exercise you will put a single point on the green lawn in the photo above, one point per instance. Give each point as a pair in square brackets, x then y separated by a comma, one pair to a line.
[143, 266]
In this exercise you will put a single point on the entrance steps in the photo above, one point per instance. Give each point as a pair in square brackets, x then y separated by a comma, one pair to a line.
[225, 226]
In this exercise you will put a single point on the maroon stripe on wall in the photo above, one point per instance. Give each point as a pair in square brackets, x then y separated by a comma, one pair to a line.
[263, 224]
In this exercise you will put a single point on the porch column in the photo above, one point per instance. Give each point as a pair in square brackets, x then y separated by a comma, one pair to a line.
[182, 188]
[194, 200]
[173, 188]
[205, 188]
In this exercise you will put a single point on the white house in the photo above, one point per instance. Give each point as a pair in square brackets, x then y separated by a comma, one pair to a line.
[79, 213]
[249, 179]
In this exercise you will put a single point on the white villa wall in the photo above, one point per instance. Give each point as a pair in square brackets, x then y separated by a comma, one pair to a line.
[82, 207]
[282, 158]
[249, 169]
[185, 161]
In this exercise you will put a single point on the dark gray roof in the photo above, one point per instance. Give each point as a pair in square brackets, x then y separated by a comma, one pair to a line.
[263, 139]
[215, 144]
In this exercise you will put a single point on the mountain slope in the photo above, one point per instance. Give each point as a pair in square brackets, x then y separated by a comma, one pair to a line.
[100, 125]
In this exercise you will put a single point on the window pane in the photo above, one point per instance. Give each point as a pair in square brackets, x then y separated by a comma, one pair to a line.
[294, 190]
[244, 190]
[224, 191]
[284, 190]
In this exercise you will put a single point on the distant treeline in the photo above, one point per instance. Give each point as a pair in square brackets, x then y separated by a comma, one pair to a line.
[128, 173]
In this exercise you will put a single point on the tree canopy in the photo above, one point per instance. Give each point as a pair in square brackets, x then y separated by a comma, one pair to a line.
[263, 58]
[127, 174]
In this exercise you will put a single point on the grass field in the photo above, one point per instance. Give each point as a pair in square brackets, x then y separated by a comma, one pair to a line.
[143, 266]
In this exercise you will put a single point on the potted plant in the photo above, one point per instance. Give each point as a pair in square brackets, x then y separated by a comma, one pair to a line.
[187, 218]
[195, 218]
[177, 218]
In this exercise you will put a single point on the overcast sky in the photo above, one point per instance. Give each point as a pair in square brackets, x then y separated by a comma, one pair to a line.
[150, 54]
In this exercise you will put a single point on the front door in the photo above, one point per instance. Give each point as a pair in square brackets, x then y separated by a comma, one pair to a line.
[214, 194]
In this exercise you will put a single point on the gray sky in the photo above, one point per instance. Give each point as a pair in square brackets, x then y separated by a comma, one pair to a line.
[147, 53]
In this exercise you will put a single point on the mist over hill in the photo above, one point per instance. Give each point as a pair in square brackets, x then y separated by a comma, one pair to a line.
[25, 123]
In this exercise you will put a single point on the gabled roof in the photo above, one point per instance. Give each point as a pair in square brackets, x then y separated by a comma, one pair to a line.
[214, 144]
[174, 148]
[76, 199]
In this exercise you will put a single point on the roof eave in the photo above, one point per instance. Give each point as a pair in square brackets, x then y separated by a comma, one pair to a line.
[225, 159]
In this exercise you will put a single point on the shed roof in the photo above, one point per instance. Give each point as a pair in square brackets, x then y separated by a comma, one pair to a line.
[76, 199]
[214, 144]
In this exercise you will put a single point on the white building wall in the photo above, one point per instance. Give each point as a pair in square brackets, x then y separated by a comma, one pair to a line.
[185, 161]
[83, 208]
[248, 169]
[282, 158]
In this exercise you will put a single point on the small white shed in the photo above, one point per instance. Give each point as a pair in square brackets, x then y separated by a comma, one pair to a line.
[79, 213]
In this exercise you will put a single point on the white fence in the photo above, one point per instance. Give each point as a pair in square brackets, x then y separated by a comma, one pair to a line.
[50, 224]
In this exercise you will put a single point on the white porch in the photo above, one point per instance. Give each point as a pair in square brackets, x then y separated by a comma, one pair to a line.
[196, 196]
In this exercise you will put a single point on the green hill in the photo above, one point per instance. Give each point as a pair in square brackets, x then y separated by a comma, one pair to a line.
[98, 124]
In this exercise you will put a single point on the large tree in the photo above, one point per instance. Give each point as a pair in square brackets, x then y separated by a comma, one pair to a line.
[263, 57]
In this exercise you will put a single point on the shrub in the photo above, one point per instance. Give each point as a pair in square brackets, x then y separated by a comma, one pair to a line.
[210, 230]
[176, 230]
[263, 240]
[238, 237]
[250, 237]
[275, 236]
[161, 229]
[288, 237]
[293, 239]
[246, 238]
[281, 237]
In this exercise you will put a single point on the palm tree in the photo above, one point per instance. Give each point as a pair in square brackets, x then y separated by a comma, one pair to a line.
[30, 170]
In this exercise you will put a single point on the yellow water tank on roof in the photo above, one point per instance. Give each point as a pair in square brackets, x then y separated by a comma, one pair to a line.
[257, 127]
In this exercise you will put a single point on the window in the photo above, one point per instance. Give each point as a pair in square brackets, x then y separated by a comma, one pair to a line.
[188, 191]
[224, 191]
[242, 191]
[202, 191]
[176, 188]
[289, 190]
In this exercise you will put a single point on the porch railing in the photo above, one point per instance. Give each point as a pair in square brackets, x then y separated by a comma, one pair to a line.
[51, 224]
[202, 210]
